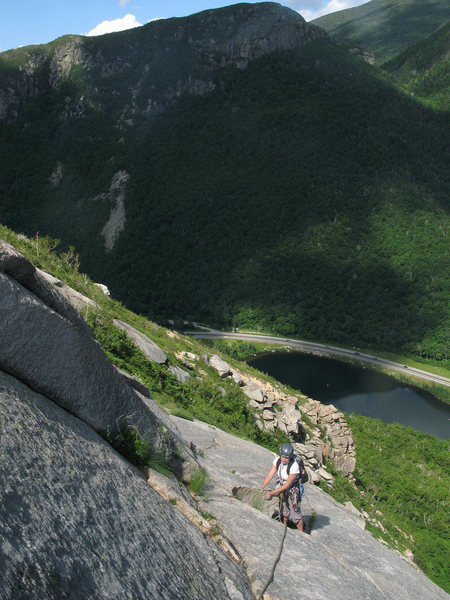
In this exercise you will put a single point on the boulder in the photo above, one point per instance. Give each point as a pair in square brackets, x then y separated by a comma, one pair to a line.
[345, 463]
[238, 379]
[254, 392]
[151, 350]
[325, 475]
[181, 375]
[220, 366]
[190, 356]
[103, 288]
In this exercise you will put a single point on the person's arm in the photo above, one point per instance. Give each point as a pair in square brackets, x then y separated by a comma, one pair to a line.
[269, 476]
[290, 480]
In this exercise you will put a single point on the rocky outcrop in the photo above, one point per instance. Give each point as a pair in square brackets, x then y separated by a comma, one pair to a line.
[342, 447]
[46, 344]
[78, 522]
[278, 410]
[338, 560]
[239, 34]
[116, 220]
[220, 366]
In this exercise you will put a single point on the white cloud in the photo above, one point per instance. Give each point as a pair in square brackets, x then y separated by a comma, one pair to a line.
[330, 7]
[126, 22]
[123, 3]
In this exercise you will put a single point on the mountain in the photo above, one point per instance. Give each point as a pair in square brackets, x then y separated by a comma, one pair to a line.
[386, 27]
[236, 167]
[424, 69]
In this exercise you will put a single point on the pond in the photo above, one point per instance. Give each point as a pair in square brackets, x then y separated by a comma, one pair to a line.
[357, 389]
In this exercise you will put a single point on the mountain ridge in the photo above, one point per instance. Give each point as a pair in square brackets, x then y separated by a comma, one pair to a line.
[385, 27]
[201, 43]
[301, 194]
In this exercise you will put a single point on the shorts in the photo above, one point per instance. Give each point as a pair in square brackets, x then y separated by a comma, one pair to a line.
[291, 508]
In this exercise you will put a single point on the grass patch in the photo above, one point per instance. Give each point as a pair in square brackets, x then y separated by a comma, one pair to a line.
[129, 443]
[177, 411]
[198, 481]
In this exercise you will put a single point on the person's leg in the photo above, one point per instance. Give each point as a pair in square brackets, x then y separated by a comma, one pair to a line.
[296, 514]
[285, 511]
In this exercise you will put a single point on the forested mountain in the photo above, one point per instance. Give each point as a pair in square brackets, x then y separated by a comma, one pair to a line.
[386, 27]
[236, 167]
[424, 69]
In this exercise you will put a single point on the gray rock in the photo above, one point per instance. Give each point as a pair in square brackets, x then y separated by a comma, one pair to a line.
[151, 350]
[346, 464]
[19, 268]
[254, 392]
[79, 522]
[56, 358]
[338, 561]
[79, 301]
[134, 383]
[181, 375]
[220, 366]
[238, 379]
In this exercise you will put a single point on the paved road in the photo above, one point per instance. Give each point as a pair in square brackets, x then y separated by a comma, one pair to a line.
[320, 349]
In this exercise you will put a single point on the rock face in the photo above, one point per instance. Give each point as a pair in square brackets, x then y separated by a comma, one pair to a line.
[77, 521]
[46, 344]
[239, 34]
[339, 560]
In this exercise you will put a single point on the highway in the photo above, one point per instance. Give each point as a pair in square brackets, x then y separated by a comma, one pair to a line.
[319, 349]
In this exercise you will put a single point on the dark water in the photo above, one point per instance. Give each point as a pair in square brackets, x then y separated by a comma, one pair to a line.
[358, 390]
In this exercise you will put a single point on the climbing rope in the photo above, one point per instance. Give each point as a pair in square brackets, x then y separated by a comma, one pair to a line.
[266, 585]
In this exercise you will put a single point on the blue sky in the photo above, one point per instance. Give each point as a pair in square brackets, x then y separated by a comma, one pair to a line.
[25, 22]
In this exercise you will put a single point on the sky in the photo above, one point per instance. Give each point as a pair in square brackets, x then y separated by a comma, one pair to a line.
[25, 22]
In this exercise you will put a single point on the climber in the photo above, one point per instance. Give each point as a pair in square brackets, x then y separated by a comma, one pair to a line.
[288, 472]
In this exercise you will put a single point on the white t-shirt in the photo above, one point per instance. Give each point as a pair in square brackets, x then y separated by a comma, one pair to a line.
[282, 470]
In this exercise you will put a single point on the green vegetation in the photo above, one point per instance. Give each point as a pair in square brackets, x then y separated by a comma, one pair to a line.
[405, 476]
[424, 70]
[305, 196]
[198, 481]
[346, 245]
[385, 27]
[128, 442]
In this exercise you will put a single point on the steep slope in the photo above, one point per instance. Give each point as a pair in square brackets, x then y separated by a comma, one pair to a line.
[254, 180]
[424, 69]
[188, 380]
[78, 521]
[386, 27]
